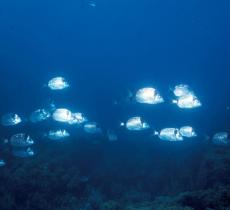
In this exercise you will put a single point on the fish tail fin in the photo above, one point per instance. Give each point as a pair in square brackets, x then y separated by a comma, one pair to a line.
[155, 133]
[122, 124]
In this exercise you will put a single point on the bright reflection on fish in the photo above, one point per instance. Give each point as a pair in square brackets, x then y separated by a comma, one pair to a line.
[136, 124]
[170, 134]
[62, 115]
[58, 83]
[58, 134]
[92, 128]
[10, 119]
[187, 131]
[189, 101]
[148, 95]
[77, 118]
[39, 115]
[21, 140]
[221, 138]
[23, 152]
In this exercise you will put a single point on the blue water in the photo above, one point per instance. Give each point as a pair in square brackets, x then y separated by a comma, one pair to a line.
[117, 46]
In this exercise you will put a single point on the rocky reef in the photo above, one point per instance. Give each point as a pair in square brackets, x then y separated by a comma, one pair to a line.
[82, 176]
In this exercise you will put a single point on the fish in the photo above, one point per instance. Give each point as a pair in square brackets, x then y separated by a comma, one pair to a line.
[62, 115]
[39, 115]
[2, 163]
[92, 3]
[23, 152]
[92, 128]
[21, 140]
[181, 90]
[221, 138]
[111, 135]
[170, 134]
[136, 124]
[189, 101]
[187, 131]
[77, 118]
[148, 95]
[57, 134]
[10, 119]
[58, 83]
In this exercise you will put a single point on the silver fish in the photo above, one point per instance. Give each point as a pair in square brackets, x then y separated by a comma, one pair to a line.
[58, 134]
[221, 138]
[77, 118]
[21, 140]
[189, 101]
[181, 90]
[58, 83]
[92, 128]
[62, 115]
[39, 115]
[23, 152]
[187, 131]
[170, 134]
[10, 119]
[148, 95]
[136, 124]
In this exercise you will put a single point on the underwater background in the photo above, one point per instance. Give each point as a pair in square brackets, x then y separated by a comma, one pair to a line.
[105, 49]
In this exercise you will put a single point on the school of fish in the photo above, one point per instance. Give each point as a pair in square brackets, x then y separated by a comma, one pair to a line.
[21, 144]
